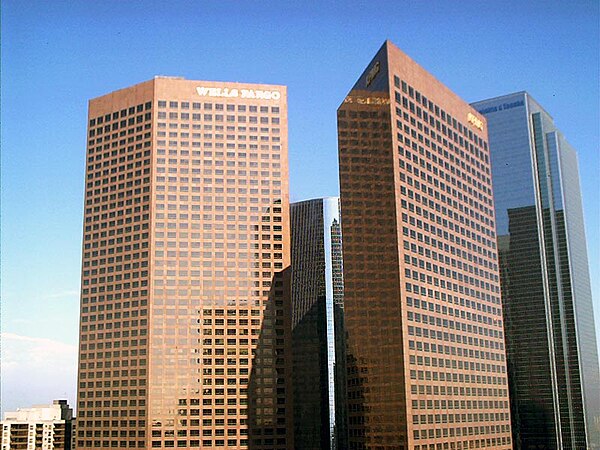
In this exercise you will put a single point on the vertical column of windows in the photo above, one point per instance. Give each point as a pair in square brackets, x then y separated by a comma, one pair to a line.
[114, 294]
[218, 292]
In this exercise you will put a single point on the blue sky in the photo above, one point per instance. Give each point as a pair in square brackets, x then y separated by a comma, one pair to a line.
[57, 55]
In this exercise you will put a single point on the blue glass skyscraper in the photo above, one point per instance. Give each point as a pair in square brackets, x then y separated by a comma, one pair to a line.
[549, 322]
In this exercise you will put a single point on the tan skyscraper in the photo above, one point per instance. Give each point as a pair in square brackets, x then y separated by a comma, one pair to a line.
[184, 329]
[426, 357]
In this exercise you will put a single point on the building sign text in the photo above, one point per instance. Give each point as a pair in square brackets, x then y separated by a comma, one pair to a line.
[238, 93]
[473, 119]
[373, 73]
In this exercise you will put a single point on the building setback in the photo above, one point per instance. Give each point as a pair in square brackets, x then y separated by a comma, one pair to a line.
[550, 334]
[43, 427]
[318, 329]
[185, 324]
[426, 357]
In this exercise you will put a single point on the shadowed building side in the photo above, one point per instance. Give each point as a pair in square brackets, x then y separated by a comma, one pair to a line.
[526, 334]
[318, 334]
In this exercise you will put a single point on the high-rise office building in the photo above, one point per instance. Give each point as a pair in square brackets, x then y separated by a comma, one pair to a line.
[549, 322]
[423, 315]
[185, 331]
[318, 326]
[41, 427]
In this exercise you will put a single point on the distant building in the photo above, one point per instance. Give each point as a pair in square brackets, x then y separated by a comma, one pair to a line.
[43, 427]
[318, 332]
[549, 322]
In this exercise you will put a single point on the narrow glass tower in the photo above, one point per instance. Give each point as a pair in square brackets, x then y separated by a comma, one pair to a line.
[318, 325]
[549, 322]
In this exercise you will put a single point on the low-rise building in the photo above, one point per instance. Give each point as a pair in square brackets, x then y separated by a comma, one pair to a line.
[43, 427]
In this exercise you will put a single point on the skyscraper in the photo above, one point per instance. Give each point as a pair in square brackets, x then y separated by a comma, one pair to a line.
[426, 358]
[185, 331]
[549, 322]
[318, 326]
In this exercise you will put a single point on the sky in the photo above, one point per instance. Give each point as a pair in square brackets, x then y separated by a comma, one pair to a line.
[57, 55]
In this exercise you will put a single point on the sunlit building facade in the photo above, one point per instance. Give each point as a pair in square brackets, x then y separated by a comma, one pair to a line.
[423, 314]
[549, 321]
[318, 336]
[185, 327]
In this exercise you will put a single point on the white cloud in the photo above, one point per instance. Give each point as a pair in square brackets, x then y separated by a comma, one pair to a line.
[22, 321]
[36, 371]
[63, 294]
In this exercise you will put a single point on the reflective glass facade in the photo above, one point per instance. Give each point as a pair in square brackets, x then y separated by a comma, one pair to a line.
[185, 325]
[426, 360]
[318, 329]
[549, 322]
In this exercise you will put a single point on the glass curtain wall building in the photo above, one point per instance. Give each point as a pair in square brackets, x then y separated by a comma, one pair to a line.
[549, 322]
[423, 315]
[185, 326]
[318, 328]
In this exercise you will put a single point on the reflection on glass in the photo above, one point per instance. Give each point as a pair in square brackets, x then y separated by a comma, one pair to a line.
[551, 343]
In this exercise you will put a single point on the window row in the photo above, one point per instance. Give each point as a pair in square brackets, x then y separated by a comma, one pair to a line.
[217, 107]
[116, 115]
